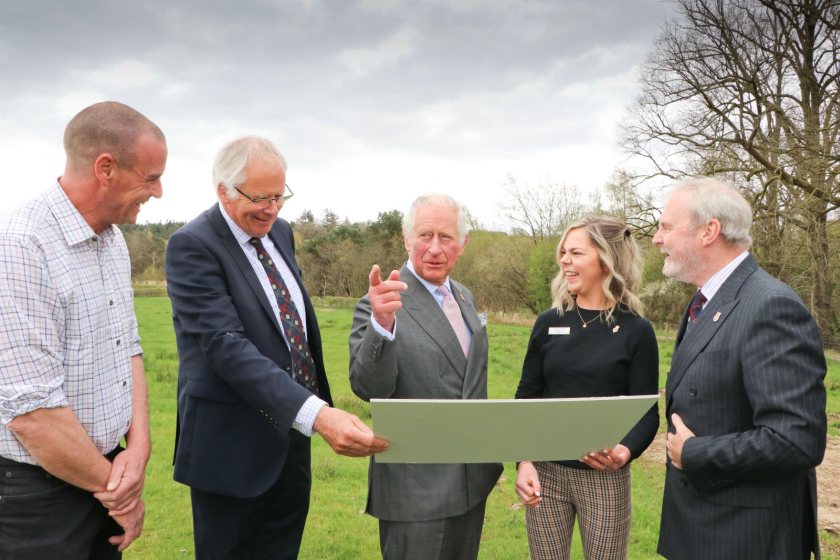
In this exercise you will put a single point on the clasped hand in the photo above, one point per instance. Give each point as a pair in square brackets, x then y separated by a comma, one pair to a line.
[122, 496]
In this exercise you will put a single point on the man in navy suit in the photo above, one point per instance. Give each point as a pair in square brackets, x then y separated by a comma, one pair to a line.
[745, 399]
[251, 381]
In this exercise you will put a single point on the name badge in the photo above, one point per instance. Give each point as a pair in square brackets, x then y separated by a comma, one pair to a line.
[558, 330]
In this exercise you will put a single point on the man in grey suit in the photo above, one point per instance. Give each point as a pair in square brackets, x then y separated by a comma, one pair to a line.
[745, 399]
[417, 335]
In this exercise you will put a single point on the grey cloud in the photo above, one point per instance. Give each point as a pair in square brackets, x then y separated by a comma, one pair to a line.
[456, 78]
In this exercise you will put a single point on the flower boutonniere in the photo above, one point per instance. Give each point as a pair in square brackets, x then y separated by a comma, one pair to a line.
[482, 318]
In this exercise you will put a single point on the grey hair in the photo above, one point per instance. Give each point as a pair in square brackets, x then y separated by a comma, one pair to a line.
[713, 199]
[233, 158]
[437, 199]
[106, 127]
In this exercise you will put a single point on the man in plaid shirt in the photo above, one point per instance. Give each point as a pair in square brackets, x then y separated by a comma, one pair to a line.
[72, 383]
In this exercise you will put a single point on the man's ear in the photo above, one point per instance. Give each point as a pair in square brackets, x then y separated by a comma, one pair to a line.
[105, 167]
[711, 232]
[464, 244]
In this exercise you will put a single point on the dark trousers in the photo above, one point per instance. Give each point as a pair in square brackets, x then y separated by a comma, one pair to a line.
[451, 538]
[269, 526]
[44, 517]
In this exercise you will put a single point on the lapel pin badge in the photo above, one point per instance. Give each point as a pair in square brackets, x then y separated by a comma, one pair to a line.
[716, 317]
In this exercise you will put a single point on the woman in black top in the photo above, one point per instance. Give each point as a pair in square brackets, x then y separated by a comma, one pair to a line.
[593, 342]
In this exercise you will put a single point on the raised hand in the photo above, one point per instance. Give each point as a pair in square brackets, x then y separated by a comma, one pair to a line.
[385, 297]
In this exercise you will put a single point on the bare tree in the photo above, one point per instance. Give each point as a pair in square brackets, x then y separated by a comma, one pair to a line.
[543, 211]
[631, 202]
[749, 88]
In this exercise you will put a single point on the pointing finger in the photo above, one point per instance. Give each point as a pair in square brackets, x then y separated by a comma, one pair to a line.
[375, 276]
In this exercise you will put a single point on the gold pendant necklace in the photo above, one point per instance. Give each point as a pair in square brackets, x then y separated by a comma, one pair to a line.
[582, 322]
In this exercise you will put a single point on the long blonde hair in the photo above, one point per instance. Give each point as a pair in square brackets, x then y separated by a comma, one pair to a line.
[621, 259]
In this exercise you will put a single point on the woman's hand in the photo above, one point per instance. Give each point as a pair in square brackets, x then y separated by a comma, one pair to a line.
[528, 484]
[608, 459]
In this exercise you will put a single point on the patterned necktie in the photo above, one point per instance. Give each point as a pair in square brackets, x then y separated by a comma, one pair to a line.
[695, 308]
[290, 321]
[453, 313]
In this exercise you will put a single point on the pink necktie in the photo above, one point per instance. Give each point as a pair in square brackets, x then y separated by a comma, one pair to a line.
[453, 313]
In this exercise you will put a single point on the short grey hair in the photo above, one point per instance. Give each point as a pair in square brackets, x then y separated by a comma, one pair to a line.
[437, 199]
[711, 198]
[230, 164]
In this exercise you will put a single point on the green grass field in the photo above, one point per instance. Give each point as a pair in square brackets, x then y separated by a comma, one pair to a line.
[336, 527]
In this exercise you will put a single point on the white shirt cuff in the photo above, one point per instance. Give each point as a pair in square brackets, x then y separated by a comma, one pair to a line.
[381, 330]
[305, 419]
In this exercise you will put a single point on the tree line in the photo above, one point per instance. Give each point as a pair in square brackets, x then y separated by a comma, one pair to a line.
[508, 272]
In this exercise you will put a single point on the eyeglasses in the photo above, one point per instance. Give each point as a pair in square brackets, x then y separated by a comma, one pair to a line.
[265, 201]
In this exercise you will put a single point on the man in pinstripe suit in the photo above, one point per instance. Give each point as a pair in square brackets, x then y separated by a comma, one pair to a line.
[745, 399]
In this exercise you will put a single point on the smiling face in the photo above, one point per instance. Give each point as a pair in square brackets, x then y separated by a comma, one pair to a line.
[263, 178]
[134, 185]
[680, 240]
[582, 269]
[433, 245]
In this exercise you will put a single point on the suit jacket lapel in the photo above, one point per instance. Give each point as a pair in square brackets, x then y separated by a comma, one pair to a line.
[233, 248]
[424, 309]
[682, 329]
[714, 315]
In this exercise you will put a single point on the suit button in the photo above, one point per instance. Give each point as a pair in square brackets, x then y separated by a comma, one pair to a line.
[692, 391]
[684, 483]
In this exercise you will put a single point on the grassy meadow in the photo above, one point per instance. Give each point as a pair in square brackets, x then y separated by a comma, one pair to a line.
[336, 527]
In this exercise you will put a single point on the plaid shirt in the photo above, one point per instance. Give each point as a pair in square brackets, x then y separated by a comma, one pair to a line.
[67, 324]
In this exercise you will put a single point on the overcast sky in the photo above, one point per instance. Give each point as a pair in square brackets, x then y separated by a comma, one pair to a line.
[372, 102]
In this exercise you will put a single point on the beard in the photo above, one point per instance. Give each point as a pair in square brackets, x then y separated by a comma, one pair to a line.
[681, 265]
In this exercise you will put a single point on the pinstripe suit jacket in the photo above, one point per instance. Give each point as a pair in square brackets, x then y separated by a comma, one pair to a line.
[425, 361]
[748, 381]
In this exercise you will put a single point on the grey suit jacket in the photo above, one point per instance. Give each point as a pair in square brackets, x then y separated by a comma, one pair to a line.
[747, 379]
[425, 360]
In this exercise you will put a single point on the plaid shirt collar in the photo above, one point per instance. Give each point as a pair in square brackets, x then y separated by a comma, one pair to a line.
[72, 224]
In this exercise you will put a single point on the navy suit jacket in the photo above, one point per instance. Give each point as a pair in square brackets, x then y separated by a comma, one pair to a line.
[747, 379]
[236, 398]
